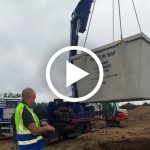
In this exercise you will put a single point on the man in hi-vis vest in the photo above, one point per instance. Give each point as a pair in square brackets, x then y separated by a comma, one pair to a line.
[28, 130]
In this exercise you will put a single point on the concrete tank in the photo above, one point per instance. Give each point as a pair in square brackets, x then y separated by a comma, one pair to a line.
[126, 66]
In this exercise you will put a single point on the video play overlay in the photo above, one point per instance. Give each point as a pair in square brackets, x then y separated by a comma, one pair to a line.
[74, 71]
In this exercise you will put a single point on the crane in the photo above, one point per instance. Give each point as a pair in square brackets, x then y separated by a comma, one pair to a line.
[72, 119]
[79, 22]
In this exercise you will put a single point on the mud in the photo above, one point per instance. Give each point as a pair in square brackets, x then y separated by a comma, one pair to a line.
[134, 144]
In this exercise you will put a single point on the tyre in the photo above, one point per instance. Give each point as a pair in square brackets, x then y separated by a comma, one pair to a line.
[122, 124]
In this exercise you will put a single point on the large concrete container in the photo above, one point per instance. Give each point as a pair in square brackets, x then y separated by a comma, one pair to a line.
[126, 70]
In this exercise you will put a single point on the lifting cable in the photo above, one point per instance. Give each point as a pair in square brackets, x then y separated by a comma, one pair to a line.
[89, 23]
[120, 19]
[121, 35]
[136, 16]
[113, 21]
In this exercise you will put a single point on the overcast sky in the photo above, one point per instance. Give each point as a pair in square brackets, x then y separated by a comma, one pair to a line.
[32, 30]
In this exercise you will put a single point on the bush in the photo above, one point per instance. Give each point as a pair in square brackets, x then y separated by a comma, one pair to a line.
[40, 110]
[146, 104]
[128, 106]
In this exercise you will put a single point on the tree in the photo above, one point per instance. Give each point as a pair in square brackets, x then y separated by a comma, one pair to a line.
[40, 110]
[5, 95]
[128, 106]
[11, 95]
[146, 104]
[17, 95]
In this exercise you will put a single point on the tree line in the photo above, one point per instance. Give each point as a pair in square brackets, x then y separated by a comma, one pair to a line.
[130, 106]
[10, 95]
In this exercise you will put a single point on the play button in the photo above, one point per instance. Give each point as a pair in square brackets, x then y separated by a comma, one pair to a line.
[74, 73]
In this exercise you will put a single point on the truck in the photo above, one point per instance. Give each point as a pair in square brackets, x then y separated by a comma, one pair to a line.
[7, 108]
[72, 119]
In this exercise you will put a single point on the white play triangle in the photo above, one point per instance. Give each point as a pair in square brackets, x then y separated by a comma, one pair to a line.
[74, 73]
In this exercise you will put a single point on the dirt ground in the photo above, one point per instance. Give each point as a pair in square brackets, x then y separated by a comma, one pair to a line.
[136, 136]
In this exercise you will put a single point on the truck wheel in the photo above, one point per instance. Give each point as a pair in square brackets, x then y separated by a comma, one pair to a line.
[122, 124]
[52, 137]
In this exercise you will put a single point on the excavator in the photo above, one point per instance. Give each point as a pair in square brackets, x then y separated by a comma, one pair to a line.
[71, 119]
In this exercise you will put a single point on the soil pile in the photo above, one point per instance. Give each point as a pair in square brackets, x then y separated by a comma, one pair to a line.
[139, 116]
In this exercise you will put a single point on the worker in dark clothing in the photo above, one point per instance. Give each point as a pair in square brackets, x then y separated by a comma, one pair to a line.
[27, 124]
[14, 131]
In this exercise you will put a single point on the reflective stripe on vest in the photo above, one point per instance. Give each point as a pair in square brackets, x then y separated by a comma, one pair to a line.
[24, 137]
[30, 141]
[24, 132]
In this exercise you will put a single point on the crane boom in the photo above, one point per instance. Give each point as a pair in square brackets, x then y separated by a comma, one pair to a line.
[78, 25]
[79, 21]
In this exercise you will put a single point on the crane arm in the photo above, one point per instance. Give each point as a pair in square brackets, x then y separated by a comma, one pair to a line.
[79, 22]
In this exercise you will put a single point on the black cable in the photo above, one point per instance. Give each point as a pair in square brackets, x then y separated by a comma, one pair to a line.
[120, 20]
[113, 22]
[136, 15]
[89, 23]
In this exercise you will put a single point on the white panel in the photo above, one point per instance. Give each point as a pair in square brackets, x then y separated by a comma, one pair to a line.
[145, 70]
[122, 63]
[7, 113]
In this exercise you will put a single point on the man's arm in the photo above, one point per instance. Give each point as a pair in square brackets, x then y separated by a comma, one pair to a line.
[39, 130]
[30, 124]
